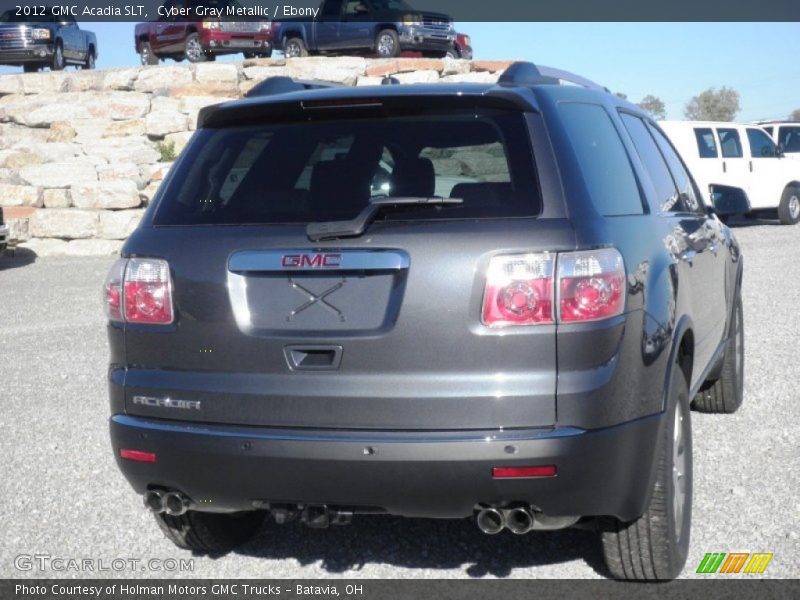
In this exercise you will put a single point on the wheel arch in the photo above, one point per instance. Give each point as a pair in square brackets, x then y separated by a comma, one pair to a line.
[681, 355]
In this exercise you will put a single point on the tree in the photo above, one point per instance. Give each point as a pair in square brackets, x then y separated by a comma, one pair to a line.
[655, 106]
[713, 105]
[795, 116]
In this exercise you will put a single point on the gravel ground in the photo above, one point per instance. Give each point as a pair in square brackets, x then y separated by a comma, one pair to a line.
[63, 496]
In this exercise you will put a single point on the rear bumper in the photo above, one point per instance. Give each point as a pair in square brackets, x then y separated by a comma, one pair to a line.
[426, 474]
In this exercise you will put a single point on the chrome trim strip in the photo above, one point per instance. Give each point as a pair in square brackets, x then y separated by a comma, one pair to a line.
[304, 259]
[353, 437]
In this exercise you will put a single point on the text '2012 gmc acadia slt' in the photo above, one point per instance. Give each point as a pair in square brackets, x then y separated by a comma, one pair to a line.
[437, 301]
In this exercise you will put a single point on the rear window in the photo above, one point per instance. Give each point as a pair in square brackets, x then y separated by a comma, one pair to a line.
[706, 145]
[330, 169]
[790, 138]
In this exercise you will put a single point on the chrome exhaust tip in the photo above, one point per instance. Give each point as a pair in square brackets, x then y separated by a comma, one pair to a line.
[490, 521]
[519, 520]
[175, 504]
[154, 501]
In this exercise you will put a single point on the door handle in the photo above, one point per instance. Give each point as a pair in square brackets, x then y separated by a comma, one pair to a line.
[751, 166]
[313, 358]
[724, 167]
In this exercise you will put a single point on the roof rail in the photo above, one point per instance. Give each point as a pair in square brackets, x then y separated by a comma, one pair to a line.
[527, 73]
[284, 85]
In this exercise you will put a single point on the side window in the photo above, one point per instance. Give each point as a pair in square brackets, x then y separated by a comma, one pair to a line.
[790, 138]
[331, 9]
[602, 158]
[730, 142]
[355, 8]
[688, 199]
[769, 130]
[761, 145]
[706, 144]
[653, 161]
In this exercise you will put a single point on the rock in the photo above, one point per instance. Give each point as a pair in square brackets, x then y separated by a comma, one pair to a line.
[124, 128]
[382, 67]
[418, 77]
[119, 224]
[216, 73]
[45, 115]
[126, 149]
[19, 229]
[482, 77]
[20, 195]
[192, 104]
[127, 105]
[7, 175]
[246, 86]
[120, 79]
[493, 66]
[456, 66]
[149, 192]
[83, 81]
[50, 152]
[92, 248]
[45, 247]
[106, 194]
[342, 69]
[179, 140]
[158, 124]
[152, 79]
[407, 65]
[60, 174]
[227, 90]
[367, 80]
[118, 170]
[90, 130]
[160, 103]
[44, 83]
[56, 198]
[61, 131]
[259, 73]
[157, 171]
[264, 62]
[67, 223]
[18, 159]
[10, 84]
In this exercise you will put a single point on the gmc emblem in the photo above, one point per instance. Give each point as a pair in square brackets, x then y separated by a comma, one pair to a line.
[311, 261]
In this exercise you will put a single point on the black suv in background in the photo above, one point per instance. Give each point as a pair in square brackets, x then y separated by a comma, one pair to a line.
[438, 301]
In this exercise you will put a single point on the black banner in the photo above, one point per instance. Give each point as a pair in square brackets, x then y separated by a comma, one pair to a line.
[458, 10]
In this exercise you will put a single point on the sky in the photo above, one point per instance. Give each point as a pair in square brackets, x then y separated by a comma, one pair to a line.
[673, 61]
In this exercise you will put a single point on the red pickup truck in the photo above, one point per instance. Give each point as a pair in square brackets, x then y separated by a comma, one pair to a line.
[188, 29]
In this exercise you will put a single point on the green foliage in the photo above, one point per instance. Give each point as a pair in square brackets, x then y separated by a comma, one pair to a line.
[713, 105]
[166, 150]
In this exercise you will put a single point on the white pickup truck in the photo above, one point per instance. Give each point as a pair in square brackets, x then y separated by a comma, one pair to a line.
[743, 156]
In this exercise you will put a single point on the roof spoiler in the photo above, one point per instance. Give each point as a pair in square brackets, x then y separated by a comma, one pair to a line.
[527, 73]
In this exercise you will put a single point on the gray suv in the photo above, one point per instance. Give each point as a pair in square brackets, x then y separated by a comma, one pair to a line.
[445, 301]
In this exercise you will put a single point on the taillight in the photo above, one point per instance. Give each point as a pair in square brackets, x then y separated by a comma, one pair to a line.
[112, 290]
[525, 289]
[139, 290]
[591, 285]
[519, 290]
[148, 292]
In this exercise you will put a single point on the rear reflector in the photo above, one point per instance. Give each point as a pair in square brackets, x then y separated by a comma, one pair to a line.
[147, 292]
[519, 290]
[137, 455]
[514, 472]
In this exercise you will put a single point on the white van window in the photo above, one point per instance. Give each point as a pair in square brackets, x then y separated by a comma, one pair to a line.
[790, 138]
[761, 145]
[730, 142]
[706, 144]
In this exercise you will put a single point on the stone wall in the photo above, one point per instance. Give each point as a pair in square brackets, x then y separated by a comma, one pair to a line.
[82, 152]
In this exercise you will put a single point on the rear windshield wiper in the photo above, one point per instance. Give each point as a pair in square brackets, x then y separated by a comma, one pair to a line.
[355, 227]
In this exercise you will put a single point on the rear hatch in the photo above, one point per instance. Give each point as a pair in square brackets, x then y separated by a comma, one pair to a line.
[380, 330]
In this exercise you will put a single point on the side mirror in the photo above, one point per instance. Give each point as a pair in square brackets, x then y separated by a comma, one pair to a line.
[728, 200]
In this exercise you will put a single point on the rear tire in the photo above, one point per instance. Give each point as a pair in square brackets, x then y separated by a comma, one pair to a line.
[90, 60]
[453, 53]
[294, 47]
[57, 63]
[725, 394]
[210, 532]
[146, 55]
[655, 546]
[789, 208]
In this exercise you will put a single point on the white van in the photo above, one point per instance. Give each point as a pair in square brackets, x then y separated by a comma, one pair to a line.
[743, 156]
[786, 134]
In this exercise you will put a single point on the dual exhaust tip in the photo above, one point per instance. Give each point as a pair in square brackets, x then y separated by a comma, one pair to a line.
[172, 503]
[517, 520]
